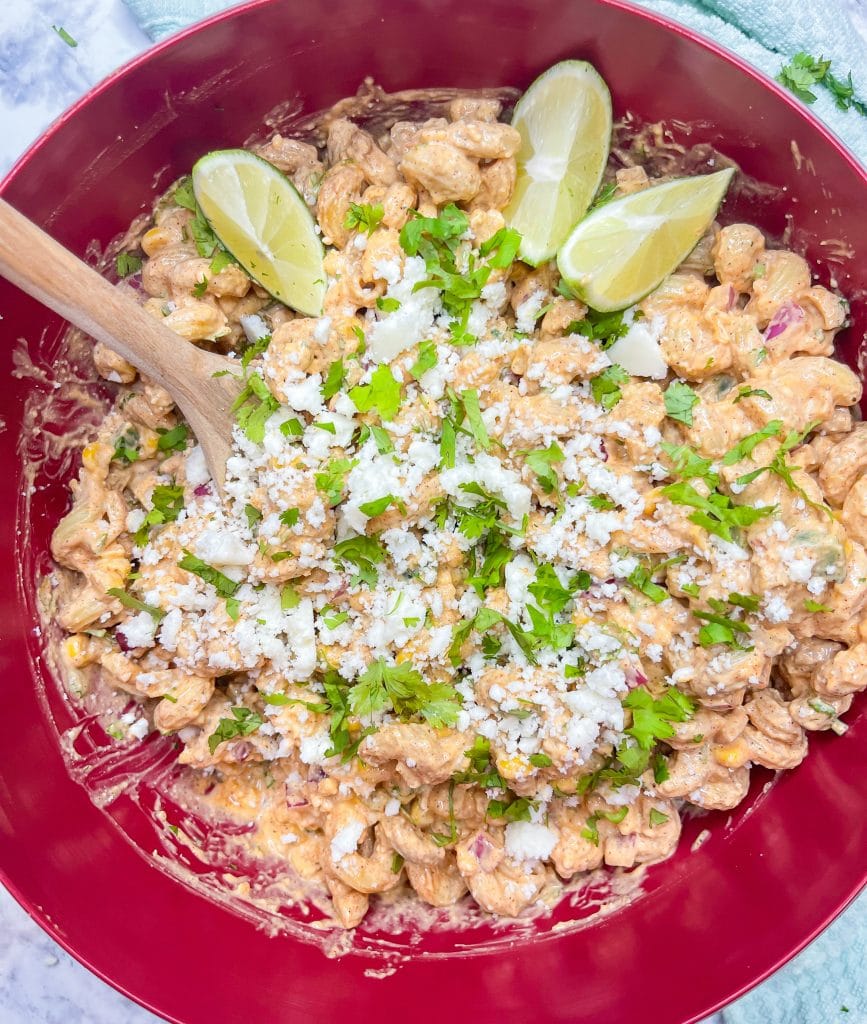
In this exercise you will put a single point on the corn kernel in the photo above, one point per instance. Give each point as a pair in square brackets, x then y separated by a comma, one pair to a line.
[732, 755]
[513, 767]
[90, 456]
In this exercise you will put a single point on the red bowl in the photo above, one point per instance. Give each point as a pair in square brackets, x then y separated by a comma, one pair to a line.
[711, 923]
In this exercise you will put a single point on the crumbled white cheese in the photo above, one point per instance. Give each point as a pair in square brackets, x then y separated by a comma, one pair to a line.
[346, 841]
[527, 840]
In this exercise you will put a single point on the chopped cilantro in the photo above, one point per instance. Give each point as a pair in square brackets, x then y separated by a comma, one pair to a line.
[744, 448]
[657, 817]
[254, 407]
[591, 830]
[641, 579]
[242, 723]
[333, 379]
[379, 505]
[224, 586]
[804, 72]
[174, 440]
[253, 515]
[541, 462]
[292, 428]
[679, 401]
[387, 305]
[747, 392]
[689, 464]
[652, 716]
[289, 517]
[332, 479]
[601, 503]
[364, 217]
[427, 360]
[606, 328]
[515, 809]
[128, 601]
[470, 401]
[540, 761]
[333, 619]
[716, 513]
[167, 503]
[815, 606]
[365, 553]
[381, 394]
[289, 598]
[402, 689]
[127, 263]
[606, 387]
[254, 349]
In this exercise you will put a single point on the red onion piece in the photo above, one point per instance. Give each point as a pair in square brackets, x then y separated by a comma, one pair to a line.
[202, 490]
[732, 299]
[786, 316]
[122, 641]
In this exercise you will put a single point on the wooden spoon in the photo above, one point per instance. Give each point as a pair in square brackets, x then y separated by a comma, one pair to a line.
[52, 275]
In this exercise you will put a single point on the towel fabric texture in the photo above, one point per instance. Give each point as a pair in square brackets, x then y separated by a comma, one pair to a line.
[827, 983]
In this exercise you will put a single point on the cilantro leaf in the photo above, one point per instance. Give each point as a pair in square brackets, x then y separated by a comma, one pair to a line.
[401, 688]
[174, 440]
[254, 349]
[128, 601]
[333, 379]
[427, 360]
[365, 553]
[379, 505]
[745, 447]
[716, 513]
[381, 394]
[747, 392]
[363, 216]
[253, 515]
[641, 579]
[606, 328]
[167, 504]
[679, 401]
[652, 717]
[254, 407]
[242, 723]
[470, 400]
[606, 387]
[541, 462]
[331, 480]
[689, 464]
[224, 586]
[127, 263]
[126, 447]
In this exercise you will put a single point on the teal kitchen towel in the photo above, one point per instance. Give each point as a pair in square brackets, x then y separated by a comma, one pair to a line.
[826, 983]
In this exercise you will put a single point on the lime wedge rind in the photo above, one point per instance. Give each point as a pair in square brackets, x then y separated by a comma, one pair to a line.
[260, 217]
[622, 251]
[564, 119]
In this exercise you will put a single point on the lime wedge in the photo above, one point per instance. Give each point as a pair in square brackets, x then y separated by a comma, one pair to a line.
[259, 217]
[622, 250]
[565, 123]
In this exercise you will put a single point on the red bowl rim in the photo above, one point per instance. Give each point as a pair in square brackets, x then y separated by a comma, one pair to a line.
[39, 914]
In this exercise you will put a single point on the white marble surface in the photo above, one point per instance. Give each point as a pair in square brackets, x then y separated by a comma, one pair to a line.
[40, 76]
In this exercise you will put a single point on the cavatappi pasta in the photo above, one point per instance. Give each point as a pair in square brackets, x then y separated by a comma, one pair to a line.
[499, 585]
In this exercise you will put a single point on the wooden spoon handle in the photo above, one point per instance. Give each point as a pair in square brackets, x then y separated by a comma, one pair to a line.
[43, 268]
[196, 379]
